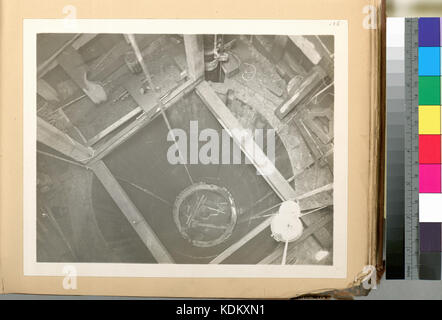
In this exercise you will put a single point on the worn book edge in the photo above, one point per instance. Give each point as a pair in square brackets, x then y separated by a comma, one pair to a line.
[375, 203]
[377, 142]
[2, 136]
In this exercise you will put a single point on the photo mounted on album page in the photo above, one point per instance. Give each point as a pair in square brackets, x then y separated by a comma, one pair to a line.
[186, 148]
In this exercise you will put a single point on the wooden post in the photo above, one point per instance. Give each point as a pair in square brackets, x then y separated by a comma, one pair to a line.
[195, 55]
[130, 211]
[58, 140]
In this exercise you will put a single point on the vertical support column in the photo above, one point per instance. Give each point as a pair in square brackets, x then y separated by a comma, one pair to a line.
[58, 140]
[195, 55]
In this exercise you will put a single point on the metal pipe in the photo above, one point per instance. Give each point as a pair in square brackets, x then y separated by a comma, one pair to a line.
[140, 59]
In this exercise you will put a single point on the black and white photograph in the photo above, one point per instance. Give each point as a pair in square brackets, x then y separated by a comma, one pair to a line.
[199, 150]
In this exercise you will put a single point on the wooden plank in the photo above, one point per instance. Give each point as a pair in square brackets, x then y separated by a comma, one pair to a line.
[83, 39]
[309, 233]
[58, 140]
[46, 91]
[77, 42]
[114, 59]
[71, 129]
[195, 55]
[278, 48]
[316, 52]
[326, 136]
[310, 142]
[236, 246]
[143, 120]
[147, 99]
[114, 126]
[72, 63]
[326, 62]
[307, 47]
[264, 165]
[130, 211]
[247, 144]
[262, 44]
[323, 236]
[326, 188]
[50, 63]
[276, 256]
[61, 159]
[313, 80]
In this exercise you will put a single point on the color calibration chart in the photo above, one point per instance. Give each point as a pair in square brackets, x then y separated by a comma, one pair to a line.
[430, 191]
[395, 184]
[414, 152]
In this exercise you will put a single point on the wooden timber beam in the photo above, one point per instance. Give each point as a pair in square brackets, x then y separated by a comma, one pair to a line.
[60, 141]
[130, 211]
[236, 246]
[316, 51]
[46, 91]
[51, 63]
[142, 120]
[276, 256]
[195, 55]
[257, 230]
[308, 48]
[73, 64]
[149, 110]
[247, 144]
[77, 42]
[312, 81]
[114, 126]
[264, 165]
[278, 48]
[326, 188]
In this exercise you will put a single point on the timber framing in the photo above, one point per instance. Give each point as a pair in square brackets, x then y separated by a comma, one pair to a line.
[194, 50]
[132, 214]
[276, 255]
[114, 126]
[135, 218]
[247, 144]
[194, 55]
[264, 165]
[143, 120]
[195, 65]
[124, 128]
[60, 141]
[236, 246]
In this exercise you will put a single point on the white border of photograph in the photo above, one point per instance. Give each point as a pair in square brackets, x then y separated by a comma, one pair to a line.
[337, 28]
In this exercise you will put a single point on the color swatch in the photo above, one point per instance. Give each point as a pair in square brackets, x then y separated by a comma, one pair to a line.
[395, 188]
[430, 158]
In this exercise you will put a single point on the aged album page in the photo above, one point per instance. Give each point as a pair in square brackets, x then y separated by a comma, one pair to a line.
[208, 155]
